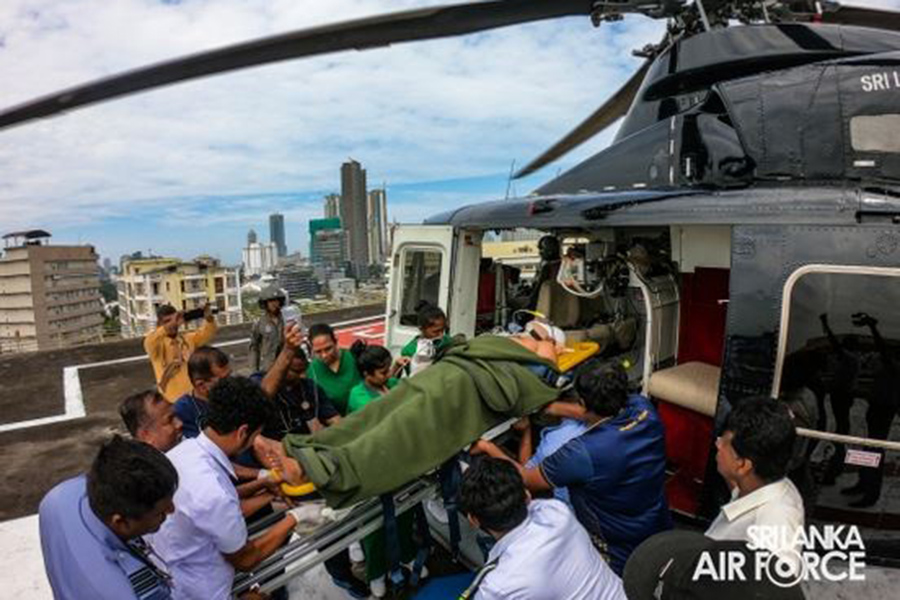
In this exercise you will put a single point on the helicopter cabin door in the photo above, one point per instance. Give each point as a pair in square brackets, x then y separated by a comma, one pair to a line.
[420, 272]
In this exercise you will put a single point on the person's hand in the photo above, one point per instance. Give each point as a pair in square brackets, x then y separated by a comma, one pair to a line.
[482, 447]
[293, 337]
[862, 319]
[522, 424]
[399, 364]
[269, 476]
[565, 409]
[309, 516]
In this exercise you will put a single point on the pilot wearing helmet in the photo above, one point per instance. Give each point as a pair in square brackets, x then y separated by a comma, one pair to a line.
[551, 254]
[267, 335]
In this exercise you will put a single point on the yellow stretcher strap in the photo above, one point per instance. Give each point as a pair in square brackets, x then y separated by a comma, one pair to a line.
[298, 490]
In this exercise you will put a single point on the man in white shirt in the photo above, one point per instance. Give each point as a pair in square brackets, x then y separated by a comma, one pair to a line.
[752, 455]
[205, 540]
[542, 552]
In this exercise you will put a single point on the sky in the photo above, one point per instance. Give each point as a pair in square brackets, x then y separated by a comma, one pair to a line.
[189, 169]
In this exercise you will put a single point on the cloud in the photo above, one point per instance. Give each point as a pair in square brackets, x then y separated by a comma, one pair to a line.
[412, 112]
[225, 151]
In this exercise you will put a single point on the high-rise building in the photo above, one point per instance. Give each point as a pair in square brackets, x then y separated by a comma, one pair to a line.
[326, 242]
[276, 233]
[251, 237]
[49, 295]
[377, 213]
[257, 258]
[354, 213]
[146, 284]
[332, 206]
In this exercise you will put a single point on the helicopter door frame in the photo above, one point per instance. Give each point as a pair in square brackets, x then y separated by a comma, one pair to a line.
[412, 269]
[783, 331]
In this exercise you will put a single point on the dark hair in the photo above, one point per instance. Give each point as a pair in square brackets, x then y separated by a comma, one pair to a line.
[549, 247]
[370, 357]
[133, 410]
[763, 432]
[321, 329]
[427, 313]
[236, 401]
[493, 492]
[164, 311]
[128, 478]
[201, 362]
[603, 388]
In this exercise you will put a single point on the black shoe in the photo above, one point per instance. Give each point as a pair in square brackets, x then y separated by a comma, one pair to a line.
[864, 502]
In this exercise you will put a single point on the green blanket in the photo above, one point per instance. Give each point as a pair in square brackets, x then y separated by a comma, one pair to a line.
[422, 422]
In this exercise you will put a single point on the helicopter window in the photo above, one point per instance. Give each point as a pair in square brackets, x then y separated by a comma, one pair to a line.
[839, 363]
[875, 133]
[421, 281]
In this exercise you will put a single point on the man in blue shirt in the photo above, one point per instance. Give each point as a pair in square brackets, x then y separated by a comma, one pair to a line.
[206, 539]
[151, 419]
[206, 366]
[541, 553]
[91, 526]
[301, 406]
[615, 470]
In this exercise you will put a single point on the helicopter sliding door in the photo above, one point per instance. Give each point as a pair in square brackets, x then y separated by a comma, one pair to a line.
[839, 368]
[813, 319]
[420, 272]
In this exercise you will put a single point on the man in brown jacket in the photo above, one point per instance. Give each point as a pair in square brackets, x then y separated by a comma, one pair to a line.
[169, 349]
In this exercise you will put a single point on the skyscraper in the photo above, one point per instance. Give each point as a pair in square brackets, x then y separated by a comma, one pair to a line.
[326, 242]
[332, 206]
[251, 237]
[354, 213]
[276, 233]
[377, 213]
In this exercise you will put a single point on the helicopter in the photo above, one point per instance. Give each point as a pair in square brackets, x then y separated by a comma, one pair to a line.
[739, 237]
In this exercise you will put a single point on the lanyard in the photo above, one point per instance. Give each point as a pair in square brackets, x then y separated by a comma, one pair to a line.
[479, 578]
[142, 551]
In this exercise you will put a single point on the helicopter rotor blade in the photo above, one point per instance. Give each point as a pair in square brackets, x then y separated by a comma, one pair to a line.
[616, 106]
[358, 34]
[842, 14]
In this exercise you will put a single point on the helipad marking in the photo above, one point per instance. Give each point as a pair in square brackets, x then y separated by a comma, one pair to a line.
[74, 398]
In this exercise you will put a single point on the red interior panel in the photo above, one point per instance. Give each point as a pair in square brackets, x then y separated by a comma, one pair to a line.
[701, 339]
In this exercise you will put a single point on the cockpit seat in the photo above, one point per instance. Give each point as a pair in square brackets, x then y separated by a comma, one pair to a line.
[558, 305]
[687, 396]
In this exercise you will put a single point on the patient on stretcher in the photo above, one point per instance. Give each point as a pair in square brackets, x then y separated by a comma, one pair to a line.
[476, 385]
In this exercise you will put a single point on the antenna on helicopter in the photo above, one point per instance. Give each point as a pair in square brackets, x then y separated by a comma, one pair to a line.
[509, 178]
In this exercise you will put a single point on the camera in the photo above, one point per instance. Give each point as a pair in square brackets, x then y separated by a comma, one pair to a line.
[197, 313]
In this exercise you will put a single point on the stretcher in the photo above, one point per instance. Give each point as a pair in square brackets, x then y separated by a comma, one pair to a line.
[304, 553]
[308, 551]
